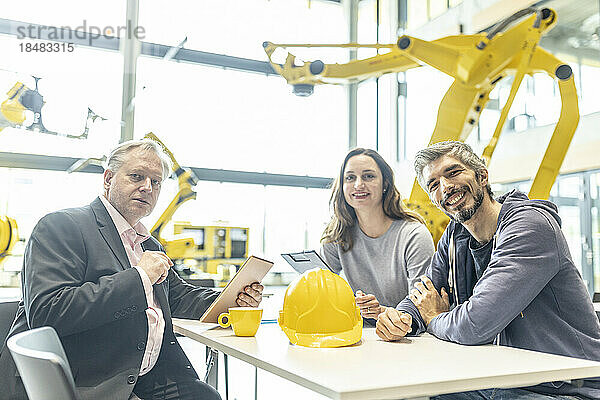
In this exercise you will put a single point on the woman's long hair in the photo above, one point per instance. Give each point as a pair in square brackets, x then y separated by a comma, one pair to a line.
[343, 215]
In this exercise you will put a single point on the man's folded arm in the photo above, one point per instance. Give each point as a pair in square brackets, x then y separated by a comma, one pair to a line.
[438, 273]
[522, 264]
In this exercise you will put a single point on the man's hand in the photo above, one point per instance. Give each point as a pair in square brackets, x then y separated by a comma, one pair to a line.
[368, 304]
[156, 264]
[428, 301]
[393, 324]
[250, 296]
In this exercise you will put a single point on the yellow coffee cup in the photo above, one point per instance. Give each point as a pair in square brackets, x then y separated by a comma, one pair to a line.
[244, 320]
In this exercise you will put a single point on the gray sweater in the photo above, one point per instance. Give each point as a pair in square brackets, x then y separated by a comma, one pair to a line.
[385, 266]
[530, 295]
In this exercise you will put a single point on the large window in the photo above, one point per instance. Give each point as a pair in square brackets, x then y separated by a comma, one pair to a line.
[366, 120]
[70, 83]
[209, 117]
[418, 13]
[70, 13]
[217, 118]
[590, 78]
[422, 11]
[238, 28]
[578, 200]
[425, 89]
[376, 111]
[594, 247]
[28, 195]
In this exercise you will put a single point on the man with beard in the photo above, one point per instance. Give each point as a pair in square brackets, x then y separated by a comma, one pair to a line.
[502, 273]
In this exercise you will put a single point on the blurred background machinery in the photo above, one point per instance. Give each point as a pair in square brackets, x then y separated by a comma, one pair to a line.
[216, 250]
[22, 101]
[8, 236]
[199, 252]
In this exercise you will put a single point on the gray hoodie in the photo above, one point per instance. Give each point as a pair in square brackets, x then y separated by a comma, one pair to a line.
[531, 294]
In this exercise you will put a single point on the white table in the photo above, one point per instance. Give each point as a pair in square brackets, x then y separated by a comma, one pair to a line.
[373, 369]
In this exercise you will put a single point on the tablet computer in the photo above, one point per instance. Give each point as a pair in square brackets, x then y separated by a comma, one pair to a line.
[253, 270]
[305, 260]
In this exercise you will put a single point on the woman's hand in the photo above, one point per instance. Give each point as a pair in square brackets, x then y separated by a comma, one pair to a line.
[368, 304]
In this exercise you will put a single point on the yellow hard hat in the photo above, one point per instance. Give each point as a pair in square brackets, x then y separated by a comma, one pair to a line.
[319, 311]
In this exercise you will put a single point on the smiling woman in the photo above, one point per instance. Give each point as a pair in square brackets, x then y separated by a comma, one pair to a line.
[381, 247]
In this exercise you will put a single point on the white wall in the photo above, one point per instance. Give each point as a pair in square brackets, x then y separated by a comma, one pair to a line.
[474, 15]
[518, 155]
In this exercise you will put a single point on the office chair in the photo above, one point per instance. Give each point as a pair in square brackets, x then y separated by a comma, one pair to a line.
[42, 364]
[8, 310]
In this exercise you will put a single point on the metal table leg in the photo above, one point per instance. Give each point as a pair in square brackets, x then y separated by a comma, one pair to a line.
[226, 362]
[212, 368]
[255, 383]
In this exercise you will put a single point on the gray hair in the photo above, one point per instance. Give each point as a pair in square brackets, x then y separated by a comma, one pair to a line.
[117, 156]
[459, 150]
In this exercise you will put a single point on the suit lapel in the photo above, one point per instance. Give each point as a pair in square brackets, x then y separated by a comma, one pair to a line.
[108, 230]
[161, 296]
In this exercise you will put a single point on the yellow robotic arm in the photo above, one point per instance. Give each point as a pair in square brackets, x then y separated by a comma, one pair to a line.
[187, 180]
[209, 246]
[8, 236]
[12, 112]
[477, 63]
[21, 99]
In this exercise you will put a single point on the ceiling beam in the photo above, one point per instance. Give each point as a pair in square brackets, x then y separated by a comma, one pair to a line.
[84, 39]
[59, 163]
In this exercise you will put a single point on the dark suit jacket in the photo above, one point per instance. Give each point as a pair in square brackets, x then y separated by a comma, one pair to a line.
[77, 278]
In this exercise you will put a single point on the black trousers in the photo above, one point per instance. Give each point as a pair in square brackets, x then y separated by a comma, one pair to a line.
[170, 380]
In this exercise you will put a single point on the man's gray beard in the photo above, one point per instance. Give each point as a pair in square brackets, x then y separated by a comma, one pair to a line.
[466, 214]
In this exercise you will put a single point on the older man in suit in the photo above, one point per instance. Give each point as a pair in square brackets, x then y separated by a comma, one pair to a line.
[96, 275]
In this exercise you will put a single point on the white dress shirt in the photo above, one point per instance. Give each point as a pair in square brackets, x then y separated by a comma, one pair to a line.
[132, 238]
